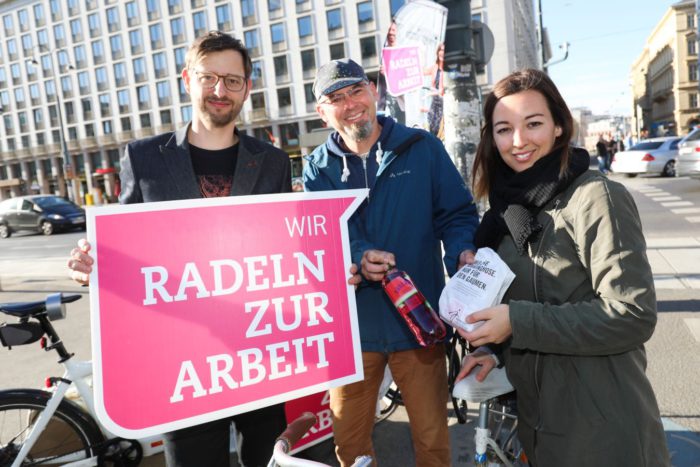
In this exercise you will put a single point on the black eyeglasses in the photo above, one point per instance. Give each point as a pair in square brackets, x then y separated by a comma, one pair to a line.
[209, 80]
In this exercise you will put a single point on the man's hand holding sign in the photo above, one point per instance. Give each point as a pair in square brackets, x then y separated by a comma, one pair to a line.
[187, 331]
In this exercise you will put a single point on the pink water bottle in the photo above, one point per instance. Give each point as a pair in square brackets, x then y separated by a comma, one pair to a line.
[422, 320]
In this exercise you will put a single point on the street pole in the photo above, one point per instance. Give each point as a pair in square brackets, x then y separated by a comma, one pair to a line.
[540, 36]
[70, 182]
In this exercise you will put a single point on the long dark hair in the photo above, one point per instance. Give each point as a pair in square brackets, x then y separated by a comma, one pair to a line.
[487, 153]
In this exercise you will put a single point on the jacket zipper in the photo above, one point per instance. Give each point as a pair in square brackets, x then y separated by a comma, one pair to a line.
[537, 299]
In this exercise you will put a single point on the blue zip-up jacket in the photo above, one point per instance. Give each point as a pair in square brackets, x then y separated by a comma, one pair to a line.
[417, 200]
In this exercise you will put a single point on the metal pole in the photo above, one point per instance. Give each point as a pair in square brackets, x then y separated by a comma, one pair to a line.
[68, 175]
[540, 34]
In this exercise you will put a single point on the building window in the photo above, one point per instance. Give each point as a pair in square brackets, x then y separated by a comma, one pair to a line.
[139, 70]
[281, 69]
[136, 41]
[35, 94]
[184, 97]
[50, 88]
[248, 12]
[256, 75]
[105, 105]
[73, 7]
[160, 64]
[98, 52]
[42, 38]
[284, 100]
[101, 78]
[80, 56]
[89, 130]
[12, 49]
[690, 20]
[274, 9]
[112, 19]
[277, 35]
[39, 17]
[309, 93]
[177, 30]
[252, 42]
[166, 117]
[692, 46]
[163, 90]
[16, 73]
[337, 51]
[365, 16]
[27, 44]
[223, 18]
[76, 30]
[145, 120]
[693, 71]
[156, 32]
[19, 98]
[308, 63]
[70, 112]
[123, 101]
[55, 6]
[199, 23]
[117, 47]
[289, 133]
[368, 50]
[8, 25]
[186, 113]
[693, 100]
[59, 36]
[334, 19]
[107, 127]
[306, 30]
[66, 86]
[180, 54]
[144, 97]
[120, 77]
[132, 14]
[31, 70]
[86, 105]
[23, 18]
[153, 9]
[94, 25]
[174, 6]
[83, 83]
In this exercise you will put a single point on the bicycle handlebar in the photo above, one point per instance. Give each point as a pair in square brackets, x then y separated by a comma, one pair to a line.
[297, 429]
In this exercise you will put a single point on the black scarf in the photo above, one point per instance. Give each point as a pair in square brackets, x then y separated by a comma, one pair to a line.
[516, 198]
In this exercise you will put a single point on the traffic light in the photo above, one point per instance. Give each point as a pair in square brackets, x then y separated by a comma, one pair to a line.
[458, 36]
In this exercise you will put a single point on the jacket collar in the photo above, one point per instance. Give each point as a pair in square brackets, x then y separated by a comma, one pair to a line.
[251, 154]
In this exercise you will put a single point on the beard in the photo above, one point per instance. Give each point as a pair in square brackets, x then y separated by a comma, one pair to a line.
[360, 131]
[219, 120]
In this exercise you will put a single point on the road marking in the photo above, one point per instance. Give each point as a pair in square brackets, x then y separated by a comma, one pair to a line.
[686, 211]
[694, 327]
[658, 192]
[646, 188]
[666, 198]
[676, 203]
[694, 219]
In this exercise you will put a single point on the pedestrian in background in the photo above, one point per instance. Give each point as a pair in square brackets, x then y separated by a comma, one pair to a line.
[417, 201]
[573, 324]
[206, 158]
[602, 150]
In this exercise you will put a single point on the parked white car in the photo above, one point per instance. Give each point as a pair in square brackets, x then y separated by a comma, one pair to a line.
[655, 156]
[689, 155]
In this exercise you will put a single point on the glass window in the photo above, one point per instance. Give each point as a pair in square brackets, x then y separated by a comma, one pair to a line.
[163, 90]
[248, 12]
[368, 47]
[126, 123]
[42, 38]
[83, 83]
[305, 26]
[144, 97]
[112, 19]
[692, 46]
[107, 127]
[19, 98]
[153, 9]
[120, 77]
[177, 30]
[3, 78]
[63, 62]
[12, 49]
[73, 7]
[334, 19]
[139, 70]
[337, 51]
[56, 10]
[184, 97]
[692, 71]
[132, 14]
[117, 47]
[252, 42]
[284, 97]
[274, 5]
[156, 33]
[23, 18]
[692, 101]
[690, 21]
[50, 88]
[105, 105]
[281, 70]
[308, 60]
[94, 25]
[309, 93]
[101, 78]
[174, 6]
[166, 117]
[27, 44]
[199, 21]
[39, 16]
[256, 76]
[160, 64]
[136, 41]
[80, 56]
[223, 18]
[59, 35]
[277, 33]
[46, 65]
[123, 100]
[395, 5]
[365, 12]
[16, 73]
[257, 100]
[8, 25]
[180, 54]
[186, 112]
[76, 30]
[98, 52]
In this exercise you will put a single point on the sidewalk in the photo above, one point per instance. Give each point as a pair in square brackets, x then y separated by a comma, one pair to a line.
[675, 262]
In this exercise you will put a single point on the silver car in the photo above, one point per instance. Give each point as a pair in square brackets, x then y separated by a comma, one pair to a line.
[689, 155]
[655, 156]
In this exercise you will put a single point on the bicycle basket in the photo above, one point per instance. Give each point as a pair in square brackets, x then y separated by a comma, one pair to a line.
[20, 333]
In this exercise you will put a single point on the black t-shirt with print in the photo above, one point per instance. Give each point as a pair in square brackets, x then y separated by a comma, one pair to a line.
[214, 169]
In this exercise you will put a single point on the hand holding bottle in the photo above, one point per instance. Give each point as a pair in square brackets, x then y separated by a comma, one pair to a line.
[376, 263]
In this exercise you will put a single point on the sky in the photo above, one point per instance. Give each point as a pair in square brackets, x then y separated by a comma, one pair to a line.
[605, 37]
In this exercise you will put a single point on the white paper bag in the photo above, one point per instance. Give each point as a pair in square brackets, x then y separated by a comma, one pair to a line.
[475, 287]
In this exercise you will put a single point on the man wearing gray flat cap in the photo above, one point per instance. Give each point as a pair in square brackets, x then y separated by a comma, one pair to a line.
[418, 204]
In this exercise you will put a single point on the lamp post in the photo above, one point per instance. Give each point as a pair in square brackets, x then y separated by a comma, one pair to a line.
[72, 187]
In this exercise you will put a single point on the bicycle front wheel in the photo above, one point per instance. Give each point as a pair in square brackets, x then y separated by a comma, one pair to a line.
[69, 436]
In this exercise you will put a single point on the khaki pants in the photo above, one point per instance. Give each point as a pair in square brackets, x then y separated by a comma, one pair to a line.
[421, 376]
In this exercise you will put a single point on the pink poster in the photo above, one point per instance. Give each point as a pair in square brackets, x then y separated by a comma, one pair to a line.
[203, 309]
[402, 66]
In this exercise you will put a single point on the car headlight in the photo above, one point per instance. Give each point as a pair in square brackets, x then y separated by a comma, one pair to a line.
[56, 217]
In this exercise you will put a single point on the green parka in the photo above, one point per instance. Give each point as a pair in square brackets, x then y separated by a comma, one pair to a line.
[581, 307]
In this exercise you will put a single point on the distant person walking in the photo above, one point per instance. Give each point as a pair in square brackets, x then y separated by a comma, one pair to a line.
[602, 149]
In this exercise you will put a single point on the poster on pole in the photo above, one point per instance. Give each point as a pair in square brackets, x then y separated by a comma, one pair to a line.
[420, 24]
[203, 309]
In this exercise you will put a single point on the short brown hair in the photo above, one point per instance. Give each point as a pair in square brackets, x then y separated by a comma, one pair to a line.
[217, 41]
[487, 152]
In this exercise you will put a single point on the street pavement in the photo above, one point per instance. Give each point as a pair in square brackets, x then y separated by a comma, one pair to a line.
[675, 260]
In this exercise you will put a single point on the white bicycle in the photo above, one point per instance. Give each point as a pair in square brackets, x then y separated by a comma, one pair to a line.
[45, 427]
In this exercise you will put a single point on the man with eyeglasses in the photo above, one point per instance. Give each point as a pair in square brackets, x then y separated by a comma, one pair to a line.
[206, 158]
[417, 203]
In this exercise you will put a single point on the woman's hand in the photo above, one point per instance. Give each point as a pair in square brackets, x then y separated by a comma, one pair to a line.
[355, 278]
[477, 358]
[80, 262]
[496, 327]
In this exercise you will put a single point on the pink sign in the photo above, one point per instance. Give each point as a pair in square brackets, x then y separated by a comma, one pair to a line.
[203, 309]
[318, 404]
[403, 70]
